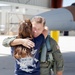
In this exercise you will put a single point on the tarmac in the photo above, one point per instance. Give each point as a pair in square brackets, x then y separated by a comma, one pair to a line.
[67, 47]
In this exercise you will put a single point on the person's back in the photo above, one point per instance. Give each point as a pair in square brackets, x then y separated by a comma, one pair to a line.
[29, 64]
[25, 31]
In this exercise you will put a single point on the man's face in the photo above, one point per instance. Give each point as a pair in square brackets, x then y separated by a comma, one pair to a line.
[37, 28]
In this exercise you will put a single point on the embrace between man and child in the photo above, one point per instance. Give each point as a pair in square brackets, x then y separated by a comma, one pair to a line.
[26, 48]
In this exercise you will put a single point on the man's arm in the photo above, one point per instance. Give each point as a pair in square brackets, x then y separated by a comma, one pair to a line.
[59, 73]
[58, 58]
[6, 42]
[12, 41]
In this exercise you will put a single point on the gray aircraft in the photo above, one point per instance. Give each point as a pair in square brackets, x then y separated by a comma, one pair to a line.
[60, 19]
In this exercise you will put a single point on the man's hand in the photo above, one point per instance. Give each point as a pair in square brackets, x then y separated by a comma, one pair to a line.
[28, 43]
[59, 73]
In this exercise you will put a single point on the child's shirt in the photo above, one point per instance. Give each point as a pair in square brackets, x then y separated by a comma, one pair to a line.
[30, 65]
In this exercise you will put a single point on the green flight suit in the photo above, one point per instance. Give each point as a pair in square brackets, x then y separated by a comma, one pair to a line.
[58, 62]
[57, 55]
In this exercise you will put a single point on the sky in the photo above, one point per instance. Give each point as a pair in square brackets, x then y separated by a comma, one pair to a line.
[68, 2]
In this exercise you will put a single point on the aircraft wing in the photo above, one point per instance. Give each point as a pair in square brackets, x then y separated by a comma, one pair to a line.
[60, 19]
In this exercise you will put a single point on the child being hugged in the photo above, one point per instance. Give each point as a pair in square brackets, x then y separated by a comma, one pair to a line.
[27, 59]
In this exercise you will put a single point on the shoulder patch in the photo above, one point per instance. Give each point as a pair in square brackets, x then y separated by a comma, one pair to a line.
[57, 47]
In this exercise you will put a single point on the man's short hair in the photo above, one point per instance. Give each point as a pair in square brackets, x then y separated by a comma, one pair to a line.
[38, 19]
